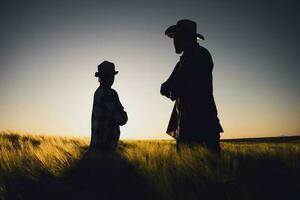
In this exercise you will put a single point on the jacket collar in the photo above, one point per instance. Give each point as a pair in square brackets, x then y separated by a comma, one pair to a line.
[189, 52]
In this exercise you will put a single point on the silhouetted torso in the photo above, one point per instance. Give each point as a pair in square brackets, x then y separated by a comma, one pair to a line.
[108, 114]
[194, 115]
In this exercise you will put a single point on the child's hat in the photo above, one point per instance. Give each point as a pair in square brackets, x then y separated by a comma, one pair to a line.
[106, 69]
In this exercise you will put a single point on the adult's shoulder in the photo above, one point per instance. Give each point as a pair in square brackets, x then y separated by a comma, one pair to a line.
[203, 51]
[204, 58]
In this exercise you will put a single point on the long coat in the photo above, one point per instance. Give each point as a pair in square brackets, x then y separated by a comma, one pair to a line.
[194, 115]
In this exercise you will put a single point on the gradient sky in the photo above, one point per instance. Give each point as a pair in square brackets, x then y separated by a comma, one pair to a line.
[49, 51]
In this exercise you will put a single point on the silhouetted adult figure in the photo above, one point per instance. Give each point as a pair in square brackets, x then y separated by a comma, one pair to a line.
[194, 118]
[108, 113]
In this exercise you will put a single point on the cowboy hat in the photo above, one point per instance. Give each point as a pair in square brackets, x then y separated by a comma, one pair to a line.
[185, 27]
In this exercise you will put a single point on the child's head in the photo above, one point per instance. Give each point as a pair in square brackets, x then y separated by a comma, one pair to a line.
[106, 73]
[107, 80]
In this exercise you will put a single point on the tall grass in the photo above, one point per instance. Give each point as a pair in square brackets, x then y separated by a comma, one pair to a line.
[242, 171]
[25, 155]
[184, 174]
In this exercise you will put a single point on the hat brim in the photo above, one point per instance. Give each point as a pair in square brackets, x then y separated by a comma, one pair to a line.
[170, 32]
[98, 74]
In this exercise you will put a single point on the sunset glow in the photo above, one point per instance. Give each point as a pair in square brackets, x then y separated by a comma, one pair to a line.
[49, 56]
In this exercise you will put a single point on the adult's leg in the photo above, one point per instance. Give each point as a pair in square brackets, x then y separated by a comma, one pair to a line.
[182, 142]
[212, 142]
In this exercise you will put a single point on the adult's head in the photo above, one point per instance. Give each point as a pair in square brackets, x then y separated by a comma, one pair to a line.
[106, 73]
[184, 35]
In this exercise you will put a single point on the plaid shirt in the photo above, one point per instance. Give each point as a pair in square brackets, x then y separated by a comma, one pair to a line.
[108, 114]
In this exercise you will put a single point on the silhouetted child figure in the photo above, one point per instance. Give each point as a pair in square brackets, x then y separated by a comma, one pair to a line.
[108, 113]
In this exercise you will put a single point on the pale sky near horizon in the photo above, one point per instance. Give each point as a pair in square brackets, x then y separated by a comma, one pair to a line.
[50, 50]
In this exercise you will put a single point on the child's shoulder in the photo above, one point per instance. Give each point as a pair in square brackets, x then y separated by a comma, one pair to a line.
[102, 92]
[113, 92]
[106, 92]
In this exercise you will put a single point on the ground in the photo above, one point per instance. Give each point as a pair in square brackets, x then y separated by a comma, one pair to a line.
[52, 167]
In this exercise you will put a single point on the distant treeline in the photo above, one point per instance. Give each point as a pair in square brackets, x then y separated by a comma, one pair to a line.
[266, 139]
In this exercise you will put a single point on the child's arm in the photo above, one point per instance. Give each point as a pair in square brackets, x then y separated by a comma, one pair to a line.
[116, 110]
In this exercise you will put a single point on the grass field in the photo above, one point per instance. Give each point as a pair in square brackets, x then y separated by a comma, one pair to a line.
[51, 167]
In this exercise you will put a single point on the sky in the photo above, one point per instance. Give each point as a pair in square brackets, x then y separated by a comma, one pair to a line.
[50, 50]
